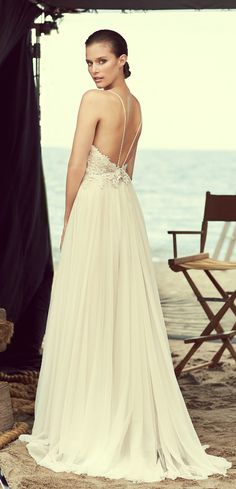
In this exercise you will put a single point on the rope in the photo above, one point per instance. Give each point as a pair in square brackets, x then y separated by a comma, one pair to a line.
[6, 332]
[8, 436]
[24, 377]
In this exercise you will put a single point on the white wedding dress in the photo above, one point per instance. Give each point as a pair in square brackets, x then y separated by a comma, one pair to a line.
[108, 402]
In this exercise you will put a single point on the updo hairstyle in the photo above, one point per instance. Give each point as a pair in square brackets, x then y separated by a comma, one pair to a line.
[118, 44]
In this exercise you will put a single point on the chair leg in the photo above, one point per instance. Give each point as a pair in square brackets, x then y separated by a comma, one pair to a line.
[220, 352]
[213, 324]
[232, 306]
[229, 303]
[222, 292]
[227, 342]
[179, 368]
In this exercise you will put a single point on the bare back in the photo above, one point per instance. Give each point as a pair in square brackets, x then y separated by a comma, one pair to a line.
[119, 128]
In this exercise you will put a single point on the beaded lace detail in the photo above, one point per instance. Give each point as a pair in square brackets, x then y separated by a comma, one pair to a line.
[100, 169]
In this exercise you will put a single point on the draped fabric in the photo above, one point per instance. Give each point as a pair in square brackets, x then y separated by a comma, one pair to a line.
[143, 4]
[108, 402]
[26, 268]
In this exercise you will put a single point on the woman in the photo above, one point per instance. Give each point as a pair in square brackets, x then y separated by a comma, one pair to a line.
[108, 403]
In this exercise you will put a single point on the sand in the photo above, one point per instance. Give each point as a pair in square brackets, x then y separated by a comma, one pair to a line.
[210, 396]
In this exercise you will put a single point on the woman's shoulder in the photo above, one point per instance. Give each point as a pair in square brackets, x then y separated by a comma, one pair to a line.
[94, 95]
[101, 100]
[96, 100]
[136, 100]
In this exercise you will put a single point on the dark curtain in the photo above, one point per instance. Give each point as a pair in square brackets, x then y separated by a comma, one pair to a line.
[26, 267]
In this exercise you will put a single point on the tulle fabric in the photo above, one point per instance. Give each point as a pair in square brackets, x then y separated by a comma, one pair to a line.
[108, 402]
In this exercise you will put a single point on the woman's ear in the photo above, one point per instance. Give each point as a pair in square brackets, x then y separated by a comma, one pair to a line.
[123, 59]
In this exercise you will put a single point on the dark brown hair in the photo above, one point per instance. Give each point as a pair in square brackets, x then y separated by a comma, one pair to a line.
[118, 44]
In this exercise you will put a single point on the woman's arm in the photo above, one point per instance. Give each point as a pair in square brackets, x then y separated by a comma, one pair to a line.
[87, 120]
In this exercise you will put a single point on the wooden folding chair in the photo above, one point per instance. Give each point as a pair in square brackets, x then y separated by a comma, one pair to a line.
[217, 208]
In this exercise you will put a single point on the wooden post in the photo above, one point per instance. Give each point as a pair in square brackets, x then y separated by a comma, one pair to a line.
[221, 240]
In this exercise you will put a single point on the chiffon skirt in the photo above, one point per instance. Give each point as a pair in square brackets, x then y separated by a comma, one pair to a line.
[108, 402]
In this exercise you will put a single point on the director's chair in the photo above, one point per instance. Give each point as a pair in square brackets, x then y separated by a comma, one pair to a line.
[217, 208]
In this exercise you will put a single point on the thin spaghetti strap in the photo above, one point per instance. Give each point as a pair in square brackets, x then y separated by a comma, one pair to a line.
[125, 123]
[131, 146]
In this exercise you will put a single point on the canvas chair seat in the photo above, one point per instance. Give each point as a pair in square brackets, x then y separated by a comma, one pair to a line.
[209, 264]
[198, 263]
[217, 208]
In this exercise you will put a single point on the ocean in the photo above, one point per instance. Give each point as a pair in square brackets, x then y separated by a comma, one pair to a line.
[171, 187]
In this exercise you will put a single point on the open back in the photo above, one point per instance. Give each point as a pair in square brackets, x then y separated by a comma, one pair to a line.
[122, 158]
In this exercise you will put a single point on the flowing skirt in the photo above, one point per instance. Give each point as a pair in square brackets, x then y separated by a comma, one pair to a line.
[108, 402]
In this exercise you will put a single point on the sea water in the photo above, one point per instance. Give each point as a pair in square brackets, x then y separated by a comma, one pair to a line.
[171, 187]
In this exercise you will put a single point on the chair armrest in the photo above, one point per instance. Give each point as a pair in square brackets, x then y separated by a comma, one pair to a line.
[184, 232]
[175, 240]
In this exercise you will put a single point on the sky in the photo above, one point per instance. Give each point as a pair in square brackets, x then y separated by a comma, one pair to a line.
[183, 66]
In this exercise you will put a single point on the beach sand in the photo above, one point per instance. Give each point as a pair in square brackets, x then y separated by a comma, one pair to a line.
[210, 396]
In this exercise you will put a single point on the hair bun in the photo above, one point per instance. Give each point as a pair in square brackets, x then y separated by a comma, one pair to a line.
[127, 71]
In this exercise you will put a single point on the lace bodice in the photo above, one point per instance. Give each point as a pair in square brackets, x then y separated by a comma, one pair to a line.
[100, 169]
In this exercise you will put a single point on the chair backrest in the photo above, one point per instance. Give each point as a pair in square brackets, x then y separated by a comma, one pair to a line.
[217, 208]
[220, 207]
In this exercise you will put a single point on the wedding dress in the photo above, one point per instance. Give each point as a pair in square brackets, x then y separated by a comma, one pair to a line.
[108, 402]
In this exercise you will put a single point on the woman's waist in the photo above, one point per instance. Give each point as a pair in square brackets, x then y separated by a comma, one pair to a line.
[103, 175]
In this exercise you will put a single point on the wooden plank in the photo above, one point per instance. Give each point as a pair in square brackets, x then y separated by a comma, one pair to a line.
[211, 337]
[197, 367]
[183, 259]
